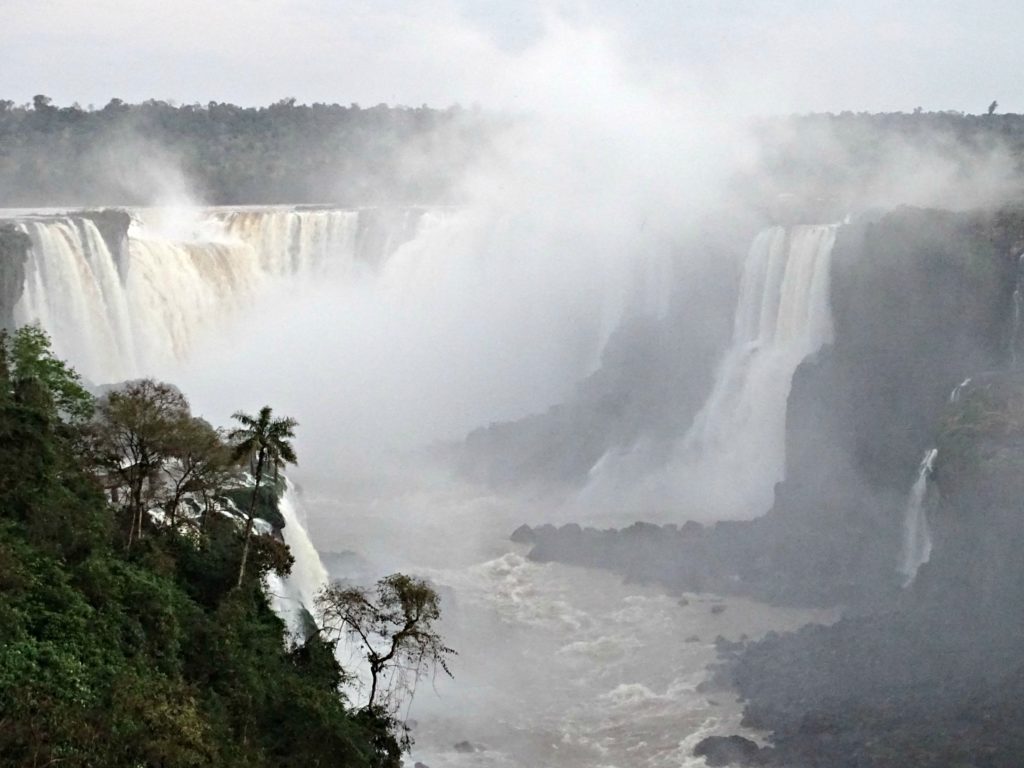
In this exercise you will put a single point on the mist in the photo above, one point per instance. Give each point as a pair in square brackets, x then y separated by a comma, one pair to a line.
[637, 366]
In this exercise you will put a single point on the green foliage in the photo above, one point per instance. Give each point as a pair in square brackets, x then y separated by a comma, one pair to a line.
[267, 501]
[149, 656]
[284, 153]
[29, 356]
[262, 442]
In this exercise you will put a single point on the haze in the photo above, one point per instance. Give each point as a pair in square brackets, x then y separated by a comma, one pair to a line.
[804, 56]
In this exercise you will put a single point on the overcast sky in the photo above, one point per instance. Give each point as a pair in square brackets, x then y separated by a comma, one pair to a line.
[744, 56]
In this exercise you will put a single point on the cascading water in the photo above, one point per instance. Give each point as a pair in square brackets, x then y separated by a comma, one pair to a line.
[954, 396]
[121, 311]
[728, 463]
[917, 538]
[296, 593]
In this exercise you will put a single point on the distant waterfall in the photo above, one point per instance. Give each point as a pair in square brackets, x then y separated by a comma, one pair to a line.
[297, 592]
[120, 311]
[954, 396]
[917, 537]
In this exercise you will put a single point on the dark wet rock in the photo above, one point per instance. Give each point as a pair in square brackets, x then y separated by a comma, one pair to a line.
[724, 646]
[466, 747]
[420, 765]
[523, 535]
[716, 609]
[692, 639]
[14, 246]
[720, 751]
[683, 602]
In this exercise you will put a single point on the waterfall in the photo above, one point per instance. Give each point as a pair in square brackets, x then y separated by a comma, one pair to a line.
[728, 462]
[735, 450]
[297, 592]
[954, 396]
[117, 312]
[917, 538]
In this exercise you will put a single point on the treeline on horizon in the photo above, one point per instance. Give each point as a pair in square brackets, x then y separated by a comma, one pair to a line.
[158, 152]
[222, 154]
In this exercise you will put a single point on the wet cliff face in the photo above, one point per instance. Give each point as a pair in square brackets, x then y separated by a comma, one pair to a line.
[978, 522]
[14, 247]
[921, 300]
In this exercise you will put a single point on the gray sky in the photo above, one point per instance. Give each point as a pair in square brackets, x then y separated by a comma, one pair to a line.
[739, 55]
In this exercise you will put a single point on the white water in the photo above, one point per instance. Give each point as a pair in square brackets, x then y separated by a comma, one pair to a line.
[558, 666]
[728, 463]
[954, 396]
[917, 537]
[182, 276]
[297, 591]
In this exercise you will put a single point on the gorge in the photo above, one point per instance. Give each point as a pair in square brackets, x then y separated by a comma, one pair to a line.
[762, 407]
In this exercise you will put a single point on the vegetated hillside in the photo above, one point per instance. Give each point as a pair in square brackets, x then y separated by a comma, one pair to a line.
[218, 153]
[222, 154]
[126, 642]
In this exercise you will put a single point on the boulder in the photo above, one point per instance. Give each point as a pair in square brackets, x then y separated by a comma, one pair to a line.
[727, 750]
[523, 535]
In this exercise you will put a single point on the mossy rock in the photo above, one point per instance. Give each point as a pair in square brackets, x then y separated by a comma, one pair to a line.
[268, 500]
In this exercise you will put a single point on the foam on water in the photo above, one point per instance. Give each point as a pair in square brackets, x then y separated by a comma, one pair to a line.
[568, 667]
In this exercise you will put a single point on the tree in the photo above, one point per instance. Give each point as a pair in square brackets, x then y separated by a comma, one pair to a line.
[198, 465]
[30, 357]
[262, 441]
[993, 107]
[137, 431]
[395, 627]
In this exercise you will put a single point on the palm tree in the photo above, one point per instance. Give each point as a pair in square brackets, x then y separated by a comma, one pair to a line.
[263, 442]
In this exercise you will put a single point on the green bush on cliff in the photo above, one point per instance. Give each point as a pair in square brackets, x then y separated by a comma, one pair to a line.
[145, 656]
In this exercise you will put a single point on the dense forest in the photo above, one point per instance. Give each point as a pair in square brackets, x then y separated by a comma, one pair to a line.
[130, 636]
[224, 154]
[328, 154]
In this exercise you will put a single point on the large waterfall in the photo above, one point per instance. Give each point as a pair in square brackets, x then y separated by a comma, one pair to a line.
[728, 462]
[783, 314]
[123, 304]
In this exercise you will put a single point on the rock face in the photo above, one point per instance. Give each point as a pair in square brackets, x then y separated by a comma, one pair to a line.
[727, 750]
[14, 246]
[922, 300]
[655, 371]
[938, 678]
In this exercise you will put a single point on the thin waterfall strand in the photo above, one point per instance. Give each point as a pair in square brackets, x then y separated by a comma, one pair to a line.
[917, 537]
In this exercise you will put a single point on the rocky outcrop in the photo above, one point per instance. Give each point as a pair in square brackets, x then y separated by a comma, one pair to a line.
[112, 224]
[727, 750]
[14, 245]
[655, 372]
[921, 301]
[937, 679]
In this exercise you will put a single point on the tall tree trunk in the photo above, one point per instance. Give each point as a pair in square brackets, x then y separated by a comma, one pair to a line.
[249, 519]
[374, 671]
